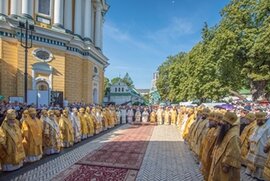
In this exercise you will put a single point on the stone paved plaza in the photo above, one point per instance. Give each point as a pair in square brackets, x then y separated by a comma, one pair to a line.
[167, 158]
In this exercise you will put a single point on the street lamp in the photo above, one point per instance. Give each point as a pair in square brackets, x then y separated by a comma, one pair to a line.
[25, 29]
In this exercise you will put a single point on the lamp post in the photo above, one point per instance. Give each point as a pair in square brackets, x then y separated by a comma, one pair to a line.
[26, 29]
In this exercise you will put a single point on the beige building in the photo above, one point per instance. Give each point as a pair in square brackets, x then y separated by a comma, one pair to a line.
[66, 57]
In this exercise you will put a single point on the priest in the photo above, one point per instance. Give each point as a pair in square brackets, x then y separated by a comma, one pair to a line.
[11, 147]
[32, 136]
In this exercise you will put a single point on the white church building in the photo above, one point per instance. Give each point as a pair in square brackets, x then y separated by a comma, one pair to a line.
[121, 94]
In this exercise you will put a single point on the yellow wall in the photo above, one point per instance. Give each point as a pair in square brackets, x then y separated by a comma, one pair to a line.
[73, 79]
[9, 69]
[72, 74]
[87, 81]
[101, 85]
[58, 64]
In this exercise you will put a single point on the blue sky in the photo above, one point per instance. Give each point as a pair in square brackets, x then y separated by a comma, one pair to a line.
[140, 34]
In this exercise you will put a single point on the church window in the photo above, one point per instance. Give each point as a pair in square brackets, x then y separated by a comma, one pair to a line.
[44, 11]
[44, 7]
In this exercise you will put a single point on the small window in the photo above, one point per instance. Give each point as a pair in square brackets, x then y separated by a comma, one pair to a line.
[115, 89]
[122, 89]
[119, 90]
[44, 7]
[95, 70]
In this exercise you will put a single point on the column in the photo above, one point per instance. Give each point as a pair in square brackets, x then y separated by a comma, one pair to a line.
[68, 15]
[27, 8]
[14, 7]
[87, 20]
[101, 32]
[97, 25]
[58, 13]
[78, 21]
[4, 7]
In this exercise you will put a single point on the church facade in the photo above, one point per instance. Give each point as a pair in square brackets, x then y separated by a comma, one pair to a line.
[65, 61]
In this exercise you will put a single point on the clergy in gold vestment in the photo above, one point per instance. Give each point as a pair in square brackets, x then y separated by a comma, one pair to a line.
[32, 136]
[12, 152]
[105, 119]
[201, 130]
[51, 134]
[180, 117]
[109, 117]
[173, 116]
[113, 116]
[66, 130]
[25, 115]
[153, 117]
[192, 130]
[208, 143]
[226, 163]
[91, 122]
[190, 120]
[75, 120]
[246, 133]
[57, 114]
[259, 140]
[96, 116]
[167, 116]
[84, 125]
[160, 115]
[266, 170]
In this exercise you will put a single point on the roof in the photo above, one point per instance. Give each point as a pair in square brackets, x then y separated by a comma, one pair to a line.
[143, 91]
[120, 94]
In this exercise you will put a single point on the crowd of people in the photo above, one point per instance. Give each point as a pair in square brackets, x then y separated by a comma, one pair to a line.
[221, 140]
[28, 133]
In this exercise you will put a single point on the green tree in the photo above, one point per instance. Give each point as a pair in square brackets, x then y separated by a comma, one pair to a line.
[245, 24]
[107, 85]
[116, 80]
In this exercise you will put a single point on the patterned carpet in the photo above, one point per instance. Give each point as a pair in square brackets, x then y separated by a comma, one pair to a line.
[119, 159]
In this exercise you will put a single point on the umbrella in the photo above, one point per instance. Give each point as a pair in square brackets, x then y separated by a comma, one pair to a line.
[225, 106]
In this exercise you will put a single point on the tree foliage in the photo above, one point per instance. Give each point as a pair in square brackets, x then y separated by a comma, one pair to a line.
[107, 85]
[231, 55]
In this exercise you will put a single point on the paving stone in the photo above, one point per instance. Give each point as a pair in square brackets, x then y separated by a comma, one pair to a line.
[50, 169]
[168, 158]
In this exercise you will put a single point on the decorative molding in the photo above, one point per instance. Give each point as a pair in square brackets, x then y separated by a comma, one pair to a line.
[43, 55]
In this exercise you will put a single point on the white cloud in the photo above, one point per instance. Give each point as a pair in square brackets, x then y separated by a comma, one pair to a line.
[117, 34]
[176, 28]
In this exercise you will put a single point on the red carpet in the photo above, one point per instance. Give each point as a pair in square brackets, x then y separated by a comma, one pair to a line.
[95, 173]
[119, 159]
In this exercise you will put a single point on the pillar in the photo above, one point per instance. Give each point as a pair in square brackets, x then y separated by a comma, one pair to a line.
[27, 8]
[14, 10]
[98, 26]
[58, 13]
[4, 7]
[88, 20]
[68, 15]
[78, 18]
